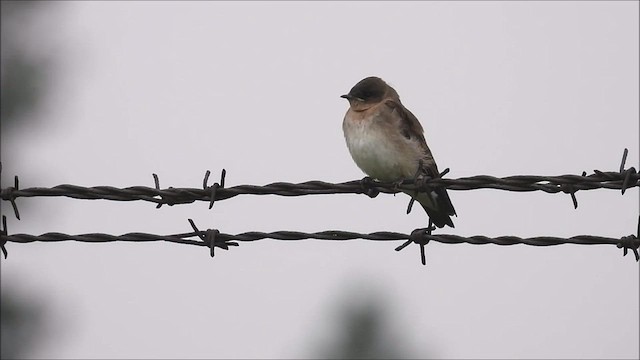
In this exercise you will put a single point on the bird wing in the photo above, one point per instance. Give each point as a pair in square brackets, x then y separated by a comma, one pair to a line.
[411, 129]
[437, 203]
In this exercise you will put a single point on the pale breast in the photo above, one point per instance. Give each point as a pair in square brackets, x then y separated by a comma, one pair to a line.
[378, 148]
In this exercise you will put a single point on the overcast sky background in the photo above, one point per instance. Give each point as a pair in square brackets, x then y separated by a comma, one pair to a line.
[502, 88]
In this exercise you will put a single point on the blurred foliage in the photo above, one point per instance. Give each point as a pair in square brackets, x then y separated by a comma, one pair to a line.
[21, 325]
[21, 73]
[21, 88]
[363, 334]
[365, 328]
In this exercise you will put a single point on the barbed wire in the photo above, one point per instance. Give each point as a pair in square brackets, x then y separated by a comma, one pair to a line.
[568, 184]
[213, 238]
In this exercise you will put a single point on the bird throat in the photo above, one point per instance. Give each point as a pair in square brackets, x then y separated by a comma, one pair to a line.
[361, 106]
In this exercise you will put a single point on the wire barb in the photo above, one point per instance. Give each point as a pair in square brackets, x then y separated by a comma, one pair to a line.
[416, 178]
[211, 238]
[569, 189]
[631, 242]
[368, 186]
[410, 206]
[421, 183]
[3, 234]
[628, 173]
[170, 196]
[10, 194]
[624, 159]
[213, 188]
[420, 237]
[156, 182]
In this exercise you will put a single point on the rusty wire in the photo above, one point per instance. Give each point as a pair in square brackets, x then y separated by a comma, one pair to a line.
[212, 238]
[569, 184]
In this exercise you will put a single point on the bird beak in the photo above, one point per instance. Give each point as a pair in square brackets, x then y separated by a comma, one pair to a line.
[350, 97]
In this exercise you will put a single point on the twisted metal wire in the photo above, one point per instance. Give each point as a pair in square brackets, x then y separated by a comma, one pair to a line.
[212, 238]
[569, 184]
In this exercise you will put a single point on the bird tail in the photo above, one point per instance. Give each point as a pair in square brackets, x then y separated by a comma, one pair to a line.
[438, 206]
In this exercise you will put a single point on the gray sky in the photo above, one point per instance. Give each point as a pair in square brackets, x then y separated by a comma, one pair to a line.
[501, 88]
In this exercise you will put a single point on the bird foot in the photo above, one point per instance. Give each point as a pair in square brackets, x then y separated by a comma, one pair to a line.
[395, 185]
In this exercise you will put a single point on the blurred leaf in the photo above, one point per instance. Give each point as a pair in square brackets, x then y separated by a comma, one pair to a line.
[365, 329]
[21, 73]
[20, 326]
[20, 90]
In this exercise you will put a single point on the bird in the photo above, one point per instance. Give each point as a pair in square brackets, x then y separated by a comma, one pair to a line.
[386, 141]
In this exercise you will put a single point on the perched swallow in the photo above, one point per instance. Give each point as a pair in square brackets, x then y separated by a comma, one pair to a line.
[386, 141]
